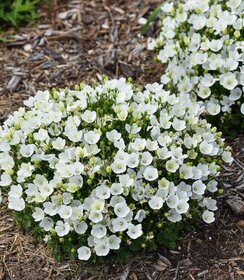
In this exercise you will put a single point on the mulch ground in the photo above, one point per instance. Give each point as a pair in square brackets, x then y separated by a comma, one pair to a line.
[77, 41]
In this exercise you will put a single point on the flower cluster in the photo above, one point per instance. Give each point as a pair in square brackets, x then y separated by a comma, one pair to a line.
[203, 44]
[97, 164]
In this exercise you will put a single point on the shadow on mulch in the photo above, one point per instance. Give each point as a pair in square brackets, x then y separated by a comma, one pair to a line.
[76, 42]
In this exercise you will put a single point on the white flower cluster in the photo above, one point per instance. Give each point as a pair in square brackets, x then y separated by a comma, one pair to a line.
[203, 43]
[101, 162]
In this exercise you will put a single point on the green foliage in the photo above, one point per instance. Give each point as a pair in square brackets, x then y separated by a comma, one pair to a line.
[150, 19]
[18, 11]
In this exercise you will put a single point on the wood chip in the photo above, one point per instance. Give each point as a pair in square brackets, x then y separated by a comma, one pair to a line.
[13, 83]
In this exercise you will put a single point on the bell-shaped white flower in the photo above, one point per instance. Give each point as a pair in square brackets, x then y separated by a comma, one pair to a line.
[62, 228]
[47, 224]
[102, 192]
[16, 203]
[99, 231]
[119, 224]
[198, 187]
[113, 135]
[80, 227]
[134, 231]
[38, 214]
[114, 242]
[102, 249]
[121, 209]
[84, 253]
[89, 116]
[208, 217]
[150, 173]
[91, 137]
[156, 202]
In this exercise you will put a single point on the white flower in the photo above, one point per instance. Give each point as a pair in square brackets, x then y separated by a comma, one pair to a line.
[227, 157]
[216, 45]
[41, 135]
[97, 205]
[102, 192]
[6, 179]
[167, 7]
[133, 160]
[163, 153]
[114, 242]
[58, 144]
[178, 125]
[132, 129]
[210, 203]
[47, 224]
[242, 108]
[208, 217]
[89, 116]
[77, 168]
[172, 200]
[186, 171]
[121, 209]
[228, 81]
[80, 227]
[72, 133]
[140, 215]
[150, 173]
[207, 80]
[50, 208]
[116, 189]
[120, 144]
[65, 211]
[203, 92]
[213, 108]
[146, 158]
[126, 180]
[62, 228]
[119, 224]
[134, 231]
[172, 166]
[118, 167]
[91, 137]
[16, 203]
[198, 187]
[233, 4]
[16, 191]
[182, 206]
[235, 94]
[113, 135]
[173, 216]
[46, 189]
[95, 217]
[38, 214]
[25, 170]
[99, 231]
[27, 150]
[139, 144]
[156, 202]
[206, 148]
[102, 249]
[151, 145]
[212, 186]
[84, 253]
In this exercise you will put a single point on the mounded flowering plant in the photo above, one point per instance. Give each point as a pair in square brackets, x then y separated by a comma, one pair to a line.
[109, 167]
[203, 44]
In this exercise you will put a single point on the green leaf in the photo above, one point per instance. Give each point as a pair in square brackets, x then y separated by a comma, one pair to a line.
[150, 19]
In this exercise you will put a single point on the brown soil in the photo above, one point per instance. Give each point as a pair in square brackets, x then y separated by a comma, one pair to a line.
[76, 41]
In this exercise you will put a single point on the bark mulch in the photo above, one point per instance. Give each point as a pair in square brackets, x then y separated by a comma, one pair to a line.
[77, 41]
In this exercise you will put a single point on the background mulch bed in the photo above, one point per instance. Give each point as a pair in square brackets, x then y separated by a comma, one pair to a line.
[77, 41]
